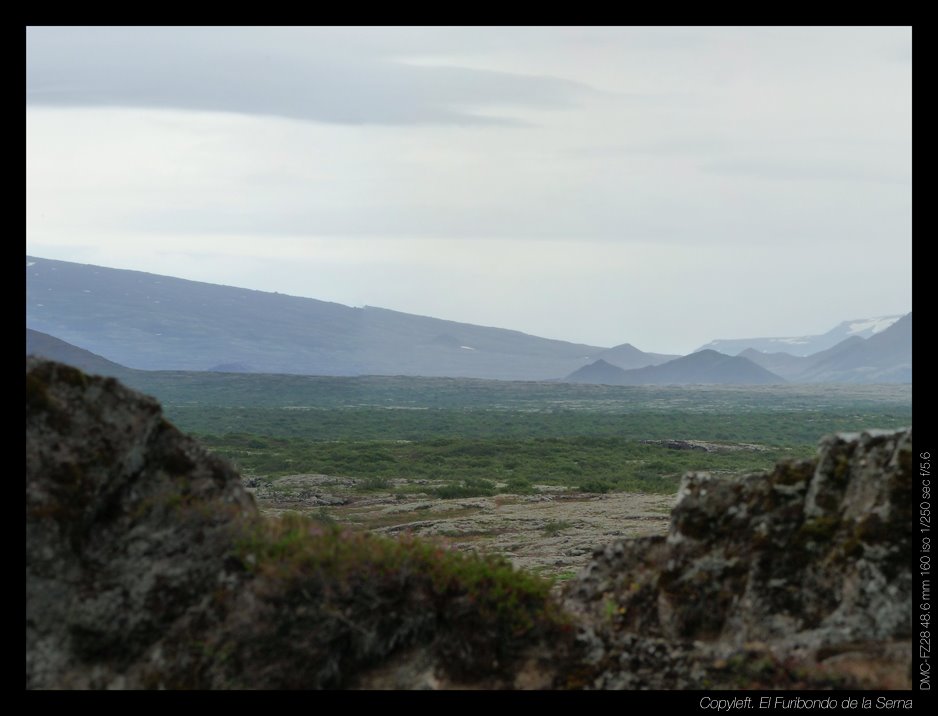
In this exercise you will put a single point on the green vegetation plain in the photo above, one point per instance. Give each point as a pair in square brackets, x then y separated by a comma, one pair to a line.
[484, 437]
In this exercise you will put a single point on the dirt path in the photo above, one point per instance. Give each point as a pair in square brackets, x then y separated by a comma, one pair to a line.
[552, 532]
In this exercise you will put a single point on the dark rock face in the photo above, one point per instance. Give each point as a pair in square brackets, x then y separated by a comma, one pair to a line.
[127, 526]
[148, 566]
[810, 561]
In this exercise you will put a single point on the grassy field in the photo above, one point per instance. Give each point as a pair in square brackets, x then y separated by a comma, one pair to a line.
[498, 436]
[480, 466]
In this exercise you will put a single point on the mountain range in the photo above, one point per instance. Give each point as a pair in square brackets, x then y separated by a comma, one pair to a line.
[111, 320]
[884, 357]
[805, 345]
[702, 367]
[151, 322]
[628, 356]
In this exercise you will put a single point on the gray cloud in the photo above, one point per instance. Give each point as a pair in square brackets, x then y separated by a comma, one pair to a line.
[271, 73]
[710, 172]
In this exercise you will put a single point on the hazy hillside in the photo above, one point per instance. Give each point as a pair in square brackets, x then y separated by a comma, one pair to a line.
[701, 368]
[885, 357]
[795, 367]
[805, 345]
[153, 322]
[149, 322]
[598, 373]
[628, 356]
[704, 367]
[46, 346]
[783, 364]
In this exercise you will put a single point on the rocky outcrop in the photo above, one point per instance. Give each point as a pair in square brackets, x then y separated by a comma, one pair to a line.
[808, 565]
[147, 566]
[127, 526]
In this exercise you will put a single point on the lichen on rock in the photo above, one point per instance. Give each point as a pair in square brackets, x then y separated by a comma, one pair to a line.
[809, 560]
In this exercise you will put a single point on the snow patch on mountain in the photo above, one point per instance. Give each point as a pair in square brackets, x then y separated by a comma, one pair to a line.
[791, 341]
[805, 345]
[873, 325]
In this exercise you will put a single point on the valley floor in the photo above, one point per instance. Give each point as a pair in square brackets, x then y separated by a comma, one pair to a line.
[552, 532]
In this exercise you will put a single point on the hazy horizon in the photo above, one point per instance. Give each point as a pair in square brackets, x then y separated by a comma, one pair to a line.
[663, 187]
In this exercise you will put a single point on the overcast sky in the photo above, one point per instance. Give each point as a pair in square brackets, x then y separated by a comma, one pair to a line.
[658, 186]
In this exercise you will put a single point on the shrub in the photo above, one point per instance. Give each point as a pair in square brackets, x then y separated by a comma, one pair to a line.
[600, 486]
[519, 486]
[349, 598]
[470, 487]
[373, 483]
[555, 527]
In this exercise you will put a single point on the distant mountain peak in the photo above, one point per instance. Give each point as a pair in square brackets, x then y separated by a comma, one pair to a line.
[627, 357]
[705, 367]
[883, 357]
[600, 363]
[808, 344]
[598, 372]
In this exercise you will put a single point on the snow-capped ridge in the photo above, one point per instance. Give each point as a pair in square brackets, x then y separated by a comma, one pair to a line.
[805, 345]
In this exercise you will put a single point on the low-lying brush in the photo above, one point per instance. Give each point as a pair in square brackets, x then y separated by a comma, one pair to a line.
[374, 595]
